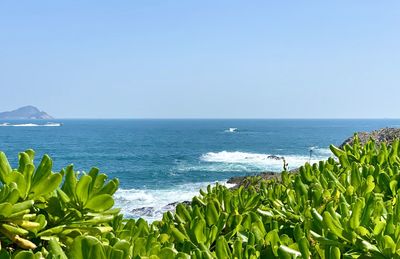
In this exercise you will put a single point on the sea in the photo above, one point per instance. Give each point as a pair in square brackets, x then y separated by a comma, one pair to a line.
[163, 161]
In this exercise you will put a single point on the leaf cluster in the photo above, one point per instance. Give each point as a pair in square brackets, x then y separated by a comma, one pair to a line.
[345, 207]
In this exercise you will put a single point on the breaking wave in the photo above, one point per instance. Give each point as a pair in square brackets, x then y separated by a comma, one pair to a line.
[150, 204]
[262, 162]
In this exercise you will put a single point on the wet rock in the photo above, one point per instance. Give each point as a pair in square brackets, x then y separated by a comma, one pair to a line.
[144, 211]
[275, 157]
[241, 180]
[172, 206]
[385, 135]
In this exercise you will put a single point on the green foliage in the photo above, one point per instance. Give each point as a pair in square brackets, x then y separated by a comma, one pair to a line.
[345, 207]
[41, 215]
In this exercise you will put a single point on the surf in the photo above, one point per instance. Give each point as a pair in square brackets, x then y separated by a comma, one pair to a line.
[262, 161]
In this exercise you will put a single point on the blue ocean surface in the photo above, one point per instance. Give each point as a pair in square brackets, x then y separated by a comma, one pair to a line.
[159, 162]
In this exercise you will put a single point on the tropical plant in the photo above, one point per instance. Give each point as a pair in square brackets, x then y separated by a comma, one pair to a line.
[345, 207]
[38, 210]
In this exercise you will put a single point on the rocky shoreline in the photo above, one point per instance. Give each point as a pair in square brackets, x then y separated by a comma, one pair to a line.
[240, 180]
[385, 135]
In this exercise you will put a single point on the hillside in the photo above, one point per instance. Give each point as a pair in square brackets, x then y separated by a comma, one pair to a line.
[25, 113]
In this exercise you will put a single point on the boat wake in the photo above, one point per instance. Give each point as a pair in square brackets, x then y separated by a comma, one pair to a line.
[231, 130]
[48, 124]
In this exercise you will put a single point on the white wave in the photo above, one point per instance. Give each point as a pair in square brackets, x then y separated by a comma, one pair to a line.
[260, 162]
[320, 151]
[49, 124]
[25, 125]
[231, 130]
[52, 124]
[217, 167]
[150, 204]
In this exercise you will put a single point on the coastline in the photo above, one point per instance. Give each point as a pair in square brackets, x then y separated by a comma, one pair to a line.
[384, 135]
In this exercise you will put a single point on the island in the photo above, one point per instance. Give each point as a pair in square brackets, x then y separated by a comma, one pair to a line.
[25, 113]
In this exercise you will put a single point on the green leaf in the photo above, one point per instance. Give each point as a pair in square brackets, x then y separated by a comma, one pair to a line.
[56, 249]
[100, 203]
[211, 214]
[336, 151]
[5, 168]
[45, 185]
[82, 189]
[389, 246]
[179, 237]
[334, 253]
[222, 249]
[286, 252]
[167, 253]
[19, 179]
[69, 186]
[356, 213]
[393, 186]
[198, 230]
[97, 182]
[43, 170]
[304, 248]
[110, 188]
[333, 225]
[86, 247]
[21, 206]
[24, 255]
[5, 210]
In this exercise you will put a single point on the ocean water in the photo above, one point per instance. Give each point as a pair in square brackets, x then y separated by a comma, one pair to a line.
[159, 162]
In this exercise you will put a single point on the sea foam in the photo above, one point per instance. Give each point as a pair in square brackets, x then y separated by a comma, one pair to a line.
[150, 204]
[261, 162]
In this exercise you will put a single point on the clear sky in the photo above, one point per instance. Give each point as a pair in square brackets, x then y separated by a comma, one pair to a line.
[201, 59]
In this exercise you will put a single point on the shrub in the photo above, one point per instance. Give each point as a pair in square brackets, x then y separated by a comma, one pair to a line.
[347, 206]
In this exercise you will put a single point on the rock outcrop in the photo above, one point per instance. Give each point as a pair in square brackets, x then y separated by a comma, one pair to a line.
[241, 180]
[385, 135]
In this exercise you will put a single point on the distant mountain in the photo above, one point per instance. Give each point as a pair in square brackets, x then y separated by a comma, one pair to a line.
[25, 113]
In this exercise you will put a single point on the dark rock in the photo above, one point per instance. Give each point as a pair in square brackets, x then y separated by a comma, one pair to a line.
[385, 135]
[144, 211]
[176, 203]
[173, 205]
[241, 180]
[294, 170]
[275, 157]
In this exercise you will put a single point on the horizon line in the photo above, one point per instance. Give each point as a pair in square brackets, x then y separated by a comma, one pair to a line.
[220, 118]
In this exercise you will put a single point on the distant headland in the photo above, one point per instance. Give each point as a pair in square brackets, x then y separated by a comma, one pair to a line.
[25, 113]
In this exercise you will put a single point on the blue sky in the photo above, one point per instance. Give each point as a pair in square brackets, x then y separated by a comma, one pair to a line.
[201, 59]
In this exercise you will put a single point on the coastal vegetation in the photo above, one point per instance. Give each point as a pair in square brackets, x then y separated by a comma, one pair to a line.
[345, 207]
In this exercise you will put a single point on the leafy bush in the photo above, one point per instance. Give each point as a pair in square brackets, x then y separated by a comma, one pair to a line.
[345, 207]
[41, 212]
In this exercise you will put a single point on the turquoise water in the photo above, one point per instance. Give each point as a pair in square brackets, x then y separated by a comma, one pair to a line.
[163, 161]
